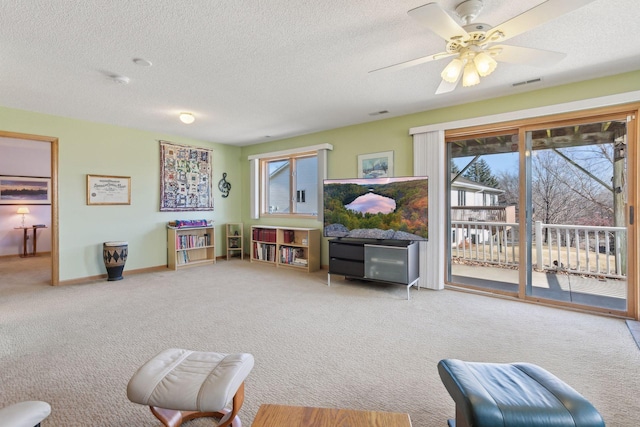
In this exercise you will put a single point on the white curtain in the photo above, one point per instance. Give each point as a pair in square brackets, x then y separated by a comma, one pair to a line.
[254, 187]
[429, 160]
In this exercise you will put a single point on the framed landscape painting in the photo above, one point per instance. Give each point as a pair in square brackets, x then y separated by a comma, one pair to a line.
[23, 190]
[375, 165]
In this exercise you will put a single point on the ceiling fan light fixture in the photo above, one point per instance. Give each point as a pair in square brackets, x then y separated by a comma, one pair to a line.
[451, 72]
[484, 63]
[470, 76]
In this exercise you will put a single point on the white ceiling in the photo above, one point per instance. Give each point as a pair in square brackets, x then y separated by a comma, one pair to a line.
[258, 70]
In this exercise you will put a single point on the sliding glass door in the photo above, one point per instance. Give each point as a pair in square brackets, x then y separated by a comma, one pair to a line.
[483, 204]
[540, 211]
[579, 198]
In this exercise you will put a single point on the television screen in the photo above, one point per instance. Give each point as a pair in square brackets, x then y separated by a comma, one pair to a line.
[377, 208]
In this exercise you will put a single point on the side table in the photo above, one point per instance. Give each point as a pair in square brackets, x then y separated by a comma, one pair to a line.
[297, 416]
[25, 238]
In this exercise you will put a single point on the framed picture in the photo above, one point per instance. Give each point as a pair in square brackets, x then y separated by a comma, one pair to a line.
[23, 190]
[108, 190]
[375, 165]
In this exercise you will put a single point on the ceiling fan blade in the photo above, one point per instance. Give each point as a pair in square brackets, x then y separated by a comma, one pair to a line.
[432, 16]
[414, 62]
[446, 87]
[536, 16]
[527, 56]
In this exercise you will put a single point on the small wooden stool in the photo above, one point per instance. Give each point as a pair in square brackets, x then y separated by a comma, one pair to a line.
[180, 385]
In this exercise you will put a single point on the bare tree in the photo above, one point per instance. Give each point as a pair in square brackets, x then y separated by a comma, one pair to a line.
[508, 181]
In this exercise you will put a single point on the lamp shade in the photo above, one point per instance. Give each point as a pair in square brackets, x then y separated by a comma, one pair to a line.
[485, 64]
[451, 72]
[23, 210]
[470, 77]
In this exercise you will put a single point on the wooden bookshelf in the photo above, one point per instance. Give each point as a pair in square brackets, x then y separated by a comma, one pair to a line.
[287, 247]
[234, 240]
[190, 246]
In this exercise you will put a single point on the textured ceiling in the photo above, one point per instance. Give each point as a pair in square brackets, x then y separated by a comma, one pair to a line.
[258, 70]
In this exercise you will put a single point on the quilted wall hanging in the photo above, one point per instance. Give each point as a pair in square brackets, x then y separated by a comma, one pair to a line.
[185, 178]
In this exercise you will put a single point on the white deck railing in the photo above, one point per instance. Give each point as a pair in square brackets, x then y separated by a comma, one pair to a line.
[598, 251]
[581, 249]
[489, 242]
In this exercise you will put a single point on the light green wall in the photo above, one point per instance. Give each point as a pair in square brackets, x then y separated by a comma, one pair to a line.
[92, 148]
[393, 133]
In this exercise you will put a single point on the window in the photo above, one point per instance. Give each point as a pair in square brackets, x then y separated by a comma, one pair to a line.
[289, 185]
[462, 198]
[288, 182]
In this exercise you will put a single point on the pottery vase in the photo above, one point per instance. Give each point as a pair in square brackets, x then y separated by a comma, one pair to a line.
[115, 256]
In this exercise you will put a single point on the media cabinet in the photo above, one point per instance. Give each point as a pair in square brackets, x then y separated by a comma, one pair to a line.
[390, 261]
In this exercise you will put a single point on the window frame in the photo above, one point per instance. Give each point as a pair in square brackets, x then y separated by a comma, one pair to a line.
[255, 179]
[292, 159]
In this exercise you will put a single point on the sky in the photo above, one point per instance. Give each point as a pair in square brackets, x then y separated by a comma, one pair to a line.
[497, 162]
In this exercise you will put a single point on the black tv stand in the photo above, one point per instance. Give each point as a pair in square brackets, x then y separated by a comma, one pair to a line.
[389, 261]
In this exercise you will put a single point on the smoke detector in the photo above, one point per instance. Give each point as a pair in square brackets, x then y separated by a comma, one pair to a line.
[123, 80]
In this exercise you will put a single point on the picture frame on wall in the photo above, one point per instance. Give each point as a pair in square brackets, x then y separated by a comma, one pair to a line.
[375, 165]
[25, 190]
[108, 190]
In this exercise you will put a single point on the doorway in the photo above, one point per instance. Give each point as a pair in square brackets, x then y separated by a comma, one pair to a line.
[53, 144]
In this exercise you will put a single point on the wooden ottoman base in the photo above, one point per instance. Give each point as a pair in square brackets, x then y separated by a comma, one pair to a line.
[174, 418]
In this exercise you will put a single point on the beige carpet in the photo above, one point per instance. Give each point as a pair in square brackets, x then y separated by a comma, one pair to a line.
[351, 345]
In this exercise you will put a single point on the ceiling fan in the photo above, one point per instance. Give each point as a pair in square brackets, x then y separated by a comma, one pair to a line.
[473, 45]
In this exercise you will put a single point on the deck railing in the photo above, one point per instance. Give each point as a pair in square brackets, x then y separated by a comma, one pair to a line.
[580, 249]
[598, 251]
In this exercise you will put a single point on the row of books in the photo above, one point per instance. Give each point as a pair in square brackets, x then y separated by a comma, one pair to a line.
[188, 241]
[288, 236]
[183, 258]
[289, 255]
[264, 252]
[264, 234]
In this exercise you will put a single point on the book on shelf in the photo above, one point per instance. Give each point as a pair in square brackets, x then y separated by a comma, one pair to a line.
[264, 234]
[292, 255]
[288, 236]
[189, 241]
[264, 251]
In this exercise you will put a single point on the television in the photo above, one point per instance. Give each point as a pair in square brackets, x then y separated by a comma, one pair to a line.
[376, 208]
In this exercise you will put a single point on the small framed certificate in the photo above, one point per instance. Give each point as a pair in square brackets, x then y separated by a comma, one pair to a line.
[108, 190]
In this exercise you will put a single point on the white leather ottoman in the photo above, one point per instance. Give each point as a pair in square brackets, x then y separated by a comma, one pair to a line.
[180, 385]
[24, 414]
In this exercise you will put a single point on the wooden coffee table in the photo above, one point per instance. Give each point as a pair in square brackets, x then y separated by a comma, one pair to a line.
[299, 416]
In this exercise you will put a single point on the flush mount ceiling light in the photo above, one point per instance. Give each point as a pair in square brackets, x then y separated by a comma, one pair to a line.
[187, 118]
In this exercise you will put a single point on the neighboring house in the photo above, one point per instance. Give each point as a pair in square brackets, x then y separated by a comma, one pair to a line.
[306, 189]
[279, 189]
[472, 201]
[465, 192]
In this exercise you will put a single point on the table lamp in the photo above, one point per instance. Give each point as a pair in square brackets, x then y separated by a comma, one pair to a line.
[23, 211]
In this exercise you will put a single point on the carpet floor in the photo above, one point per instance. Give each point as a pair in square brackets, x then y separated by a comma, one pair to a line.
[352, 345]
